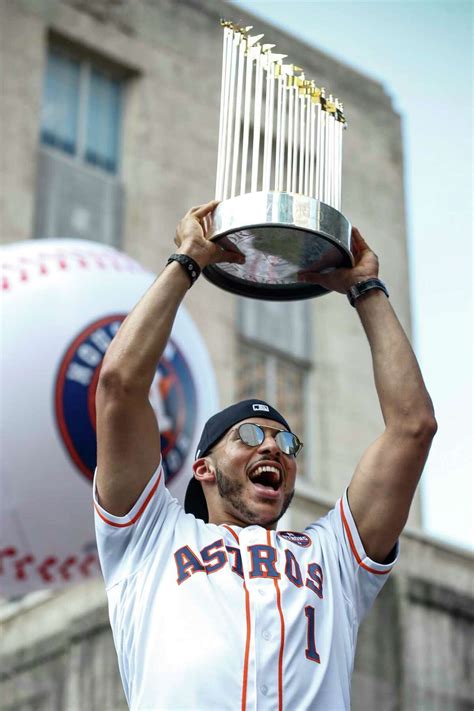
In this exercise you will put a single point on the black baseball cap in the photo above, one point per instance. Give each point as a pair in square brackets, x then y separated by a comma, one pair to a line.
[214, 429]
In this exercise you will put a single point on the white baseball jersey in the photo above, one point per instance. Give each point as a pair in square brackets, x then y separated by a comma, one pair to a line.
[208, 617]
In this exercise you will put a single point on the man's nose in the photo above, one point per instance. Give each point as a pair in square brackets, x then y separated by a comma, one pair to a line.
[269, 444]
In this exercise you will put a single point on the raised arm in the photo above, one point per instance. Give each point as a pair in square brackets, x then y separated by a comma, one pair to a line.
[128, 441]
[385, 480]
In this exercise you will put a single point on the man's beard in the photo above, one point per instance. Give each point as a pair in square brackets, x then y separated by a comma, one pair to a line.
[232, 491]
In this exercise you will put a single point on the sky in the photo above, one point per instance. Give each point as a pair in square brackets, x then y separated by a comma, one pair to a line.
[422, 53]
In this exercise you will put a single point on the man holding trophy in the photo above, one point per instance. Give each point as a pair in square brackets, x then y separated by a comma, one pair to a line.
[211, 607]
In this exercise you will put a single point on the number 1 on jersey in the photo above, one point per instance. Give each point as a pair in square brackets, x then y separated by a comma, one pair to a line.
[310, 651]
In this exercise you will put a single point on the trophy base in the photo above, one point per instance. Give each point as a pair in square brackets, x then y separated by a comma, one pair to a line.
[286, 238]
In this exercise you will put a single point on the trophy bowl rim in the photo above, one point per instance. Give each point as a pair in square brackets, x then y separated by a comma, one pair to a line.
[266, 210]
[320, 233]
[271, 292]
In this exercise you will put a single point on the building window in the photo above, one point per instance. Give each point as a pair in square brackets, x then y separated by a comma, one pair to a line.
[79, 194]
[81, 112]
[274, 359]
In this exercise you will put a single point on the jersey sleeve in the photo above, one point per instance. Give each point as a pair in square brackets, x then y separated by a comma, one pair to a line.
[362, 578]
[125, 543]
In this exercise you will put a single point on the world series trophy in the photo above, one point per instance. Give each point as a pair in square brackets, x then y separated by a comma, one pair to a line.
[279, 184]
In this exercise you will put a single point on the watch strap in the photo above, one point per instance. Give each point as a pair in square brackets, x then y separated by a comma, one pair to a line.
[190, 266]
[362, 287]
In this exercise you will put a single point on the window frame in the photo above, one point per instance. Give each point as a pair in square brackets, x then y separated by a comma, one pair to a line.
[305, 359]
[272, 355]
[87, 63]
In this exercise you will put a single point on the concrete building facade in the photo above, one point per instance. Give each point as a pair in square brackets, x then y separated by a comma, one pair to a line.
[160, 59]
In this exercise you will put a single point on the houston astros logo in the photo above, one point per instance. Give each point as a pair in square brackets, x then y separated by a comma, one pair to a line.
[172, 395]
[301, 539]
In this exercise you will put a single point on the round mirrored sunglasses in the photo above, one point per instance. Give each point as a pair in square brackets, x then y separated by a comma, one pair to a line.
[253, 435]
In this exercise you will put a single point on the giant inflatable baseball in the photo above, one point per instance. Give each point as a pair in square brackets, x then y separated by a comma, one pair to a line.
[62, 303]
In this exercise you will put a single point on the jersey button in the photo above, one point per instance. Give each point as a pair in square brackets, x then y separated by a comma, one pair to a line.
[261, 591]
[266, 635]
[264, 689]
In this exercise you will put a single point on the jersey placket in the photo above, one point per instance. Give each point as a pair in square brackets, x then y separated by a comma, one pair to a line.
[264, 677]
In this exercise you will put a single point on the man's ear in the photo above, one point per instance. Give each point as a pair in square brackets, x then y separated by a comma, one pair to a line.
[204, 469]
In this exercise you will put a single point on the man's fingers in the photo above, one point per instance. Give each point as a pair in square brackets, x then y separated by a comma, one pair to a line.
[356, 236]
[358, 242]
[225, 255]
[203, 210]
[206, 224]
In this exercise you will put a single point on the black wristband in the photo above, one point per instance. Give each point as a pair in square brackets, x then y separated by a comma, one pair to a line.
[362, 287]
[190, 266]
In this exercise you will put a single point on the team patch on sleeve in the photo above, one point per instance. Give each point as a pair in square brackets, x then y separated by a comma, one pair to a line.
[300, 539]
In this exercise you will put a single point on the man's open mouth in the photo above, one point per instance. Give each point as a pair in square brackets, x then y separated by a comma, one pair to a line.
[267, 479]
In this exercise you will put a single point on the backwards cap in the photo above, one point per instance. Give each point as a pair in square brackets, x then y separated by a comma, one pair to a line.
[214, 429]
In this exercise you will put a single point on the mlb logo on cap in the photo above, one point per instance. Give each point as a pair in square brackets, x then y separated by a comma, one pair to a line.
[258, 407]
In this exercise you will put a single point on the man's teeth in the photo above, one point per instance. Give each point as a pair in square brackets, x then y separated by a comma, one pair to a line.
[266, 475]
[261, 470]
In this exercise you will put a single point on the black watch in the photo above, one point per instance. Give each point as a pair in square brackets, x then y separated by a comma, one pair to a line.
[362, 287]
[190, 266]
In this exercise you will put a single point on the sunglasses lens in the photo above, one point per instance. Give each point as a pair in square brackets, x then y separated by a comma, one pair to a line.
[251, 434]
[288, 442]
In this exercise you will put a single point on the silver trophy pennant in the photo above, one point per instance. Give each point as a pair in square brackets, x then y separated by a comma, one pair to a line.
[279, 184]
